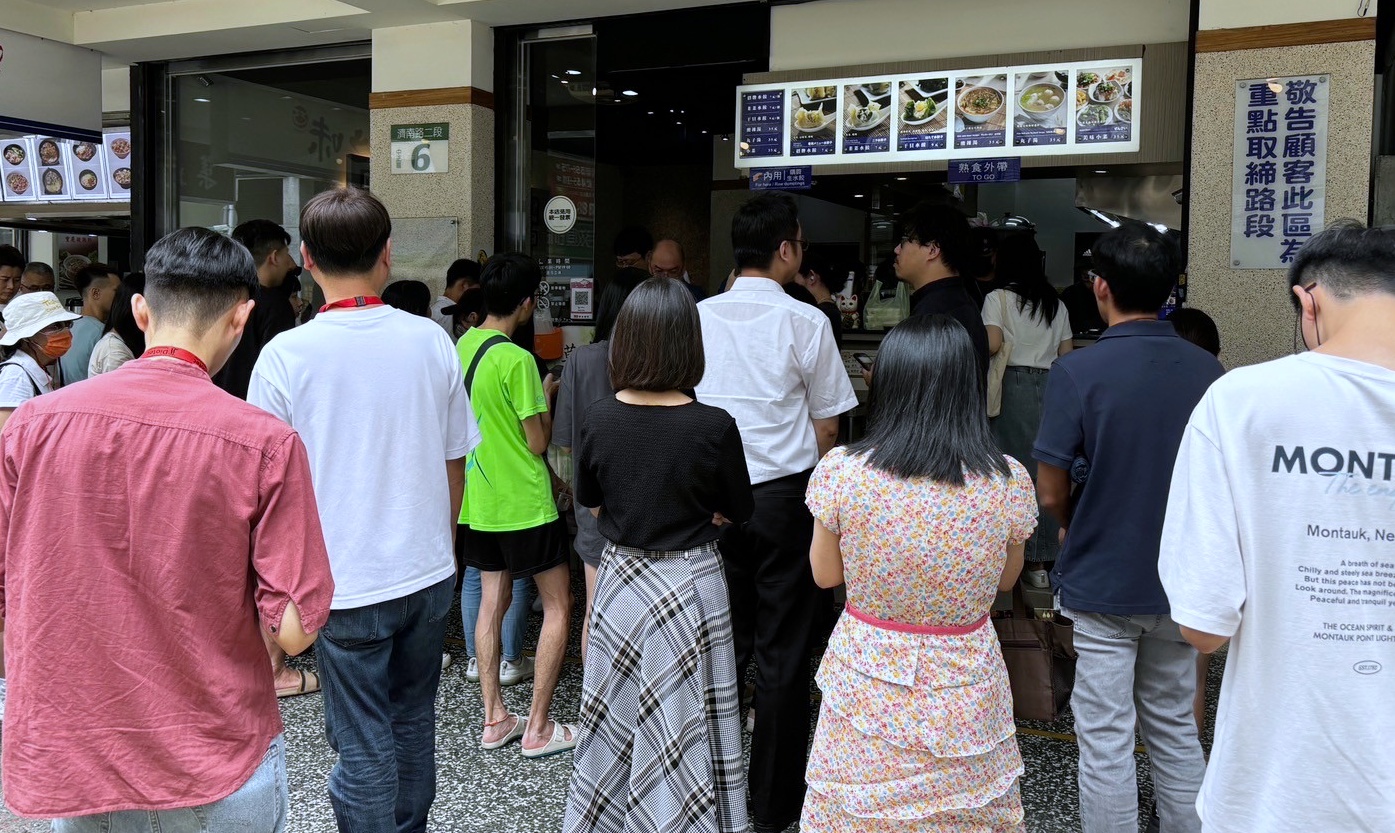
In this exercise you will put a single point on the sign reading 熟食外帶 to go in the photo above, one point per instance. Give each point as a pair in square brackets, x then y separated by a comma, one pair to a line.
[420, 148]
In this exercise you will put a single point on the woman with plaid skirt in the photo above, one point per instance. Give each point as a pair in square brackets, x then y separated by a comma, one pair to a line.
[660, 743]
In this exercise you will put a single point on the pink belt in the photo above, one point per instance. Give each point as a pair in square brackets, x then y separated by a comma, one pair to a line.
[901, 627]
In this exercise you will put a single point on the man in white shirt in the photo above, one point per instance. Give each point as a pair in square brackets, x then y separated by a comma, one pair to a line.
[379, 398]
[772, 364]
[462, 275]
[1279, 540]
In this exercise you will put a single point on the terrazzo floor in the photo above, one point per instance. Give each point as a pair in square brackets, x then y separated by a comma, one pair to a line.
[500, 792]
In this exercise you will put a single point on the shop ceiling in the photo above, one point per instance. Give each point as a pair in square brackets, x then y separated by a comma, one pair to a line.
[129, 31]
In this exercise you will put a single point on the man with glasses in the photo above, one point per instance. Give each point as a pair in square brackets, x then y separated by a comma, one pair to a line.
[667, 261]
[772, 365]
[11, 268]
[38, 277]
[935, 251]
[97, 284]
[632, 247]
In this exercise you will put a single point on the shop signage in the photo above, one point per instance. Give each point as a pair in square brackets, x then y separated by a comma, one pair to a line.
[46, 168]
[798, 178]
[1279, 185]
[50, 87]
[421, 148]
[559, 215]
[1035, 110]
[975, 171]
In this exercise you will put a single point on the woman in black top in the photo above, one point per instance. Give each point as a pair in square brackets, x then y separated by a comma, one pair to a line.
[660, 732]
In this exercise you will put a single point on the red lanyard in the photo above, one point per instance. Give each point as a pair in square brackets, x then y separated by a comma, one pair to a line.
[175, 353]
[357, 302]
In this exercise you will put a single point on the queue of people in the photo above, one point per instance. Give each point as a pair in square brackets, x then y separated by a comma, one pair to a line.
[382, 448]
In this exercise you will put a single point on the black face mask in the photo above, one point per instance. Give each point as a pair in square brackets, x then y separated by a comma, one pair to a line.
[294, 273]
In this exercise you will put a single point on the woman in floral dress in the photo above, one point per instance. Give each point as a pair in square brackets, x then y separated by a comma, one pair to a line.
[924, 520]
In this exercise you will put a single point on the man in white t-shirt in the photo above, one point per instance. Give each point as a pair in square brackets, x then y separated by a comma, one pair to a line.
[463, 275]
[378, 396]
[772, 364]
[1279, 539]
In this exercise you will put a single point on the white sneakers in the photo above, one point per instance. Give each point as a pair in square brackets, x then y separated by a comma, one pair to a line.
[510, 673]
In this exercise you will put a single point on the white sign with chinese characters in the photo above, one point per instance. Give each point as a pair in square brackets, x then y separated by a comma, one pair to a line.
[421, 148]
[1280, 176]
[559, 215]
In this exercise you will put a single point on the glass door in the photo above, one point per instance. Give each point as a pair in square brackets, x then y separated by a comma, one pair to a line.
[548, 176]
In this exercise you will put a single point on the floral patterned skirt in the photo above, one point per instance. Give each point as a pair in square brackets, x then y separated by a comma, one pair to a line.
[915, 734]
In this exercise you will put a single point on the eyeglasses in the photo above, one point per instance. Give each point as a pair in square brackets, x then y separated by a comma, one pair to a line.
[25, 288]
[53, 329]
[628, 261]
[803, 244]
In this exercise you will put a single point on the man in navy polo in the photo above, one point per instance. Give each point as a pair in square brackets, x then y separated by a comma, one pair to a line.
[1122, 405]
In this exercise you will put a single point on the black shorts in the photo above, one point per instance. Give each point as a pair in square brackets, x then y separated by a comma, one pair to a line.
[522, 553]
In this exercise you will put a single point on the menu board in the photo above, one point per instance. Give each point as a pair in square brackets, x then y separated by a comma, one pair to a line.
[1039, 110]
[44, 168]
[85, 164]
[17, 166]
[762, 122]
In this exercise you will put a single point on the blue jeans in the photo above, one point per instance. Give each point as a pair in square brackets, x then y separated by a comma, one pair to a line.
[259, 806]
[515, 618]
[380, 666]
[1135, 670]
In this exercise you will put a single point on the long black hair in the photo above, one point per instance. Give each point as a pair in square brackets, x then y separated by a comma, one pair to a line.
[928, 417]
[612, 298]
[1020, 270]
[122, 321]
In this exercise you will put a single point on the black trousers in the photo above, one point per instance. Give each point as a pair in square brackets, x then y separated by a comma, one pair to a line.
[774, 606]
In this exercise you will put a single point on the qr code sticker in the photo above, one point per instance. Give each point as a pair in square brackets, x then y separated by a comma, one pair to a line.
[581, 298]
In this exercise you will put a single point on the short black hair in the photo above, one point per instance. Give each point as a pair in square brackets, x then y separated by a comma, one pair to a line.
[90, 274]
[10, 257]
[194, 276]
[409, 296]
[799, 293]
[471, 301]
[816, 264]
[657, 342]
[463, 269]
[1198, 328]
[1140, 264]
[926, 405]
[761, 224]
[613, 296]
[1346, 259]
[261, 237]
[947, 228]
[508, 280]
[345, 230]
[633, 240]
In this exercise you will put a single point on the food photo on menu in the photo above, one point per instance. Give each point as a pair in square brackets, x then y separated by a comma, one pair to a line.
[85, 164]
[118, 162]
[1104, 105]
[17, 166]
[813, 120]
[52, 173]
[980, 103]
[1041, 112]
[867, 115]
[923, 114]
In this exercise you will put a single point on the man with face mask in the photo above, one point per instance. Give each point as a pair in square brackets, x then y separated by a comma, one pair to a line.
[272, 315]
[40, 328]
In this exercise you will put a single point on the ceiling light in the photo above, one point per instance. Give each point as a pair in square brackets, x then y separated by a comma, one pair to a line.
[593, 91]
[651, 112]
[201, 100]
[1101, 172]
[573, 72]
[564, 82]
[678, 122]
[900, 179]
[631, 93]
[857, 196]
[30, 217]
[285, 98]
[555, 75]
[704, 132]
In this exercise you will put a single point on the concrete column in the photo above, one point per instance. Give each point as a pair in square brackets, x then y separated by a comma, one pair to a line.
[1245, 39]
[439, 72]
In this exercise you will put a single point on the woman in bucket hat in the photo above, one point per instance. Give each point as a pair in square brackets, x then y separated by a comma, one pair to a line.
[37, 334]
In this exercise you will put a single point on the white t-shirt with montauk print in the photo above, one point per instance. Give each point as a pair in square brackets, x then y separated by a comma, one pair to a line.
[1035, 343]
[1280, 534]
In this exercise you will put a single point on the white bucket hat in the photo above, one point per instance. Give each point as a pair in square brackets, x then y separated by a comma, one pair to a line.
[31, 312]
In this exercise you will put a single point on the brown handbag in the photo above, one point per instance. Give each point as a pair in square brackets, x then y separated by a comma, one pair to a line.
[1039, 652]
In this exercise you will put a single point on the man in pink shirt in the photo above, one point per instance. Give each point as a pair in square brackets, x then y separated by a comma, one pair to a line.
[151, 526]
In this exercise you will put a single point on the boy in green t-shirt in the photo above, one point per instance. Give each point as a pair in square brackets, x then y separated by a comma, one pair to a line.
[509, 524]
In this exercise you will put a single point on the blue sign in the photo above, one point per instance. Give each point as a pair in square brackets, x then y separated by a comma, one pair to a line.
[784, 179]
[979, 171]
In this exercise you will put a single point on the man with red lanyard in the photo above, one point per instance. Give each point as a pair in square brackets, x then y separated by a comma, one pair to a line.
[192, 530]
[379, 397]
